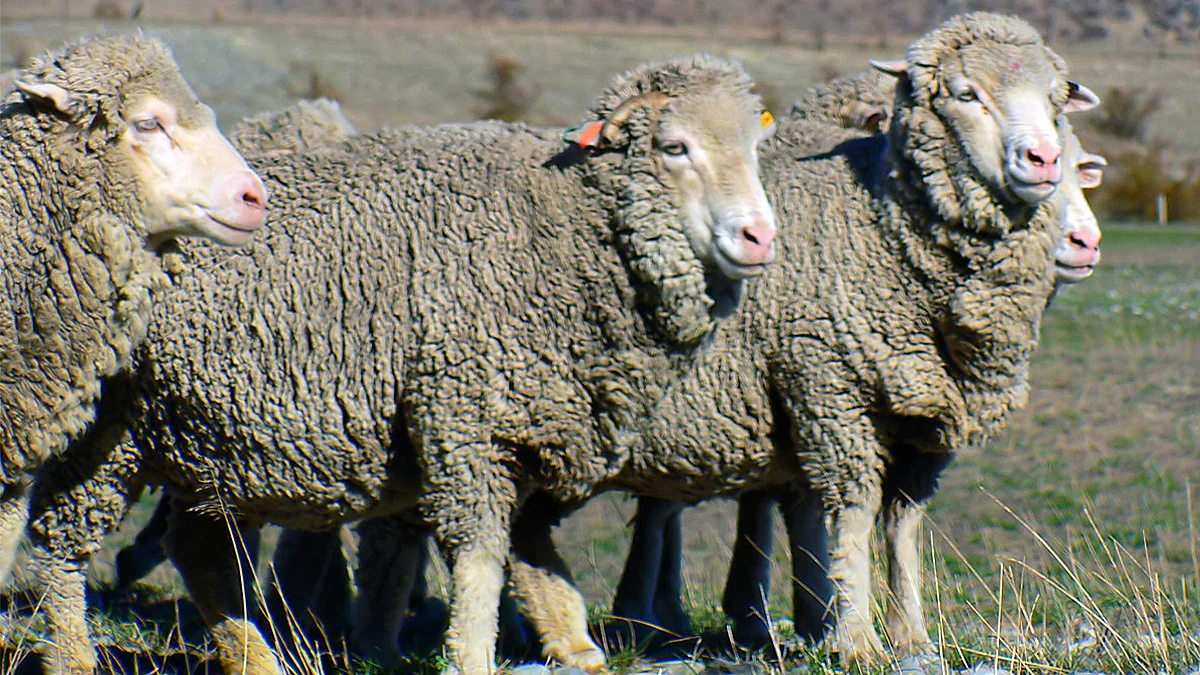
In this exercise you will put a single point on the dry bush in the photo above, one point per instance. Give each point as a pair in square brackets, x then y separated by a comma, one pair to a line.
[1127, 112]
[306, 81]
[1135, 178]
[507, 99]
[109, 10]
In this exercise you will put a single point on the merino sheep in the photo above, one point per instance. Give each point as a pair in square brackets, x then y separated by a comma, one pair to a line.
[649, 591]
[898, 326]
[105, 154]
[502, 309]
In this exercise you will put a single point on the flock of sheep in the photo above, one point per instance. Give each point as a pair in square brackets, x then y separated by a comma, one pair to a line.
[466, 331]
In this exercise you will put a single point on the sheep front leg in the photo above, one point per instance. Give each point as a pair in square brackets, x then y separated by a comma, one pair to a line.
[14, 516]
[544, 591]
[850, 572]
[749, 579]
[470, 496]
[208, 551]
[668, 596]
[906, 620]
[79, 499]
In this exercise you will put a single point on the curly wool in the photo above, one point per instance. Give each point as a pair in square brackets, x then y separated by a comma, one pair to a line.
[307, 125]
[75, 270]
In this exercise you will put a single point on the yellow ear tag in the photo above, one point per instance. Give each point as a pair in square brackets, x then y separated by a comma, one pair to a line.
[767, 119]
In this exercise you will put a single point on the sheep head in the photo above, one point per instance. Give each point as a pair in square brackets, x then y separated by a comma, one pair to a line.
[162, 158]
[1078, 249]
[987, 89]
[685, 134]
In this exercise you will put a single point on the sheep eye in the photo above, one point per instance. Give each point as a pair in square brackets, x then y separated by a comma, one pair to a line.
[148, 126]
[674, 148]
[967, 96]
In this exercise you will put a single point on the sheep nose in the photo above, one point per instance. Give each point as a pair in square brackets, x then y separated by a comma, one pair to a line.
[758, 242]
[1087, 239]
[251, 198]
[1043, 154]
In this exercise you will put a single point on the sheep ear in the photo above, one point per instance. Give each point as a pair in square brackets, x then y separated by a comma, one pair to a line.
[1091, 170]
[1081, 98]
[46, 93]
[893, 68]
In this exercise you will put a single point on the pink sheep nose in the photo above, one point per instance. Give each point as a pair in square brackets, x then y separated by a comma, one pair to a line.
[758, 243]
[1042, 159]
[250, 198]
[1086, 239]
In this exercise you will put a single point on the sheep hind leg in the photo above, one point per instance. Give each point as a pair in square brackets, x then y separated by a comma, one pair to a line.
[906, 620]
[850, 572]
[542, 586]
[208, 552]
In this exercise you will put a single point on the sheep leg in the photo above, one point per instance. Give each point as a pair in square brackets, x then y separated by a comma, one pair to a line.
[309, 571]
[668, 596]
[145, 553]
[906, 620]
[471, 503]
[80, 498]
[542, 586]
[392, 555]
[850, 572]
[14, 516]
[812, 592]
[749, 580]
[63, 583]
[209, 553]
[639, 585]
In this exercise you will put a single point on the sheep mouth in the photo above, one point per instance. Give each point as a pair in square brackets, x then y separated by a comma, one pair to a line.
[1031, 193]
[1072, 273]
[735, 269]
[231, 226]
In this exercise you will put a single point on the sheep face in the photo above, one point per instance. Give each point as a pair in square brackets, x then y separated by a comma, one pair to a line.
[126, 101]
[708, 146]
[193, 180]
[1000, 102]
[1078, 248]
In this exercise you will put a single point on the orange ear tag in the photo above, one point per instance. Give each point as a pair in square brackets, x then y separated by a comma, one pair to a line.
[589, 135]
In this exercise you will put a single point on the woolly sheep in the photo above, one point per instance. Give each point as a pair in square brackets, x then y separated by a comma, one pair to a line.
[556, 294]
[898, 326]
[648, 594]
[105, 154]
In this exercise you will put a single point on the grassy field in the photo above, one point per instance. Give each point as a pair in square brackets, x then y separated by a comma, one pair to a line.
[1069, 543]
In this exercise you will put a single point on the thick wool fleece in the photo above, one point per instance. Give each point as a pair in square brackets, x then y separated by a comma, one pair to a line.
[75, 271]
